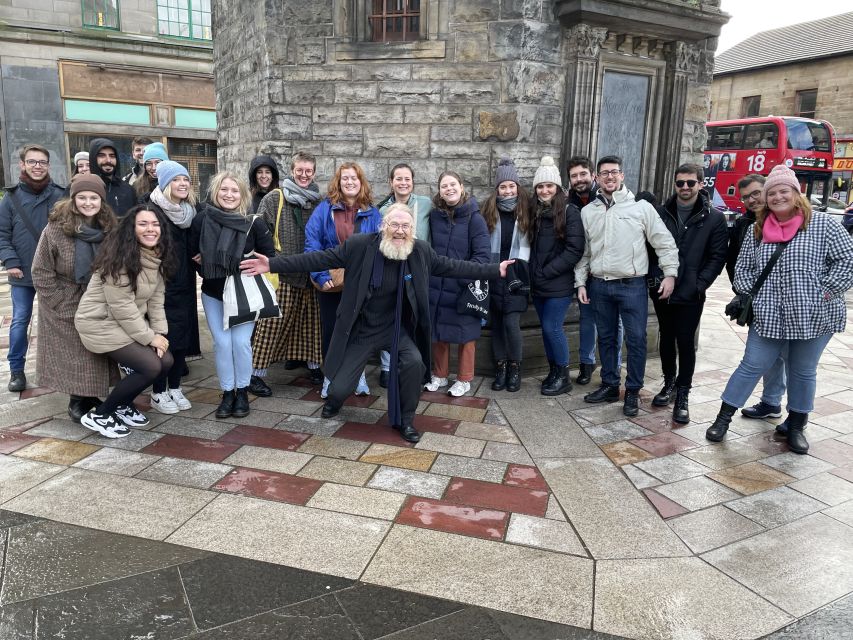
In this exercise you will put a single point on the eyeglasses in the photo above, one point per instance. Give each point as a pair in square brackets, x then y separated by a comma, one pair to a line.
[755, 195]
[689, 183]
[399, 226]
[303, 172]
[38, 163]
[612, 172]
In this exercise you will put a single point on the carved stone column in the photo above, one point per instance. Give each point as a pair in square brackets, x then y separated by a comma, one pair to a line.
[584, 45]
[681, 59]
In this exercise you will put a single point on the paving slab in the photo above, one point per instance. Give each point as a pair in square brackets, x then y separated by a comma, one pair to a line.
[289, 406]
[672, 468]
[358, 501]
[336, 470]
[830, 623]
[776, 506]
[307, 424]
[711, 528]
[665, 598]
[415, 483]
[124, 505]
[546, 430]
[19, 474]
[822, 573]
[32, 409]
[639, 478]
[454, 445]
[60, 428]
[473, 468]
[797, 465]
[615, 431]
[118, 461]
[491, 432]
[750, 478]
[268, 459]
[136, 441]
[403, 457]
[612, 518]
[284, 534]
[194, 428]
[554, 510]
[842, 513]
[531, 582]
[697, 493]
[334, 447]
[186, 473]
[56, 451]
[544, 534]
[826, 487]
[723, 455]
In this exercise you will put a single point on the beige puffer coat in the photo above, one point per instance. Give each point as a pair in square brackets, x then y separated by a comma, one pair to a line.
[110, 316]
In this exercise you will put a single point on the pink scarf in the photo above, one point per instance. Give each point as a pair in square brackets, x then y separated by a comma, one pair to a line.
[775, 231]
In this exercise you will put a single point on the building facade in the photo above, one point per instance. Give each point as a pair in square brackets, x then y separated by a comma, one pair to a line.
[74, 70]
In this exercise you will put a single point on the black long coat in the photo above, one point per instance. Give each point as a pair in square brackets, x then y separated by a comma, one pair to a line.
[356, 255]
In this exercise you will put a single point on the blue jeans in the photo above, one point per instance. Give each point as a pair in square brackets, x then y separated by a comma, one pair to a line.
[775, 382]
[628, 299]
[385, 361]
[232, 348]
[587, 336]
[22, 312]
[552, 313]
[762, 353]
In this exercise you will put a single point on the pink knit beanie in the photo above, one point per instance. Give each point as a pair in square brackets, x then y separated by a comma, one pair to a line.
[779, 176]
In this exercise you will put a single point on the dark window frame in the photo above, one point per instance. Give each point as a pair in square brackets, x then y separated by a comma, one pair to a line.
[750, 106]
[92, 7]
[798, 106]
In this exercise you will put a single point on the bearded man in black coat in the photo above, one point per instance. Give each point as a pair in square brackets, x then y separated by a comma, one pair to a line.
[384, 306]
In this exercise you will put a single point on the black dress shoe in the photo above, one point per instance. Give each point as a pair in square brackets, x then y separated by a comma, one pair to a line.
[257, 387]
[226, 406]
[315, 375]
[604, 393]
[241, 403]
[585, 373]
[78, 407]
[329, 411]
[383, 378]
[17, 381]
[632, 403]
[408, 433]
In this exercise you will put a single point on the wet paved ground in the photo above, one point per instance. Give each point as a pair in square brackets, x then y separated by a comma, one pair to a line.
[511, 505]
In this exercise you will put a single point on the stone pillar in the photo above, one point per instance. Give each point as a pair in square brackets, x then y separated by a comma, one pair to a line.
[681, 58]
[583, 48]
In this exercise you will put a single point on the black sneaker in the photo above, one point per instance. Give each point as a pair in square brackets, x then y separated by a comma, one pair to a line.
[17, 381]
[106, 425]
[129, 416]
[259, 388]
[762, 410]
[604, 393]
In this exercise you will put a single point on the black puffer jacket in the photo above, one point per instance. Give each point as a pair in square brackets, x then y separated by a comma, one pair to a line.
[257, 194]
[736, 235]
[553, 260]
[120, 195]
[702, 247]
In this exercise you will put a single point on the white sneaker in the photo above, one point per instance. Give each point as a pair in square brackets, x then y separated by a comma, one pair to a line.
[435, 383]
[362, 389]
[459, 388]
[105, 425]
[324, 392]
[129, 416]
[180, 399]
[163, 403]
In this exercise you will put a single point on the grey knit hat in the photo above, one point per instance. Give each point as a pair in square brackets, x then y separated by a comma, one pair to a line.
[506, 171]
[547, 172]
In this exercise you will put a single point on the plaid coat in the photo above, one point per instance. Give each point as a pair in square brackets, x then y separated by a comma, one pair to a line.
[62, 362]
[803, 297]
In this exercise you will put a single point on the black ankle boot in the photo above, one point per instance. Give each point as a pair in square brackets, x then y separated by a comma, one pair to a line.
[552, 371]
[585, 373]
[513, 376]
[500, 376]
[241, 403]
[717, 431]
[664, 396]
[78, 407]
[631, 406]
[560, 384]
[680, 411]
[226, 406]
[796, 438]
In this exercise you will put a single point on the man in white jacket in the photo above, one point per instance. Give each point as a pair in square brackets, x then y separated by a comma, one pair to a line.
[611, 276]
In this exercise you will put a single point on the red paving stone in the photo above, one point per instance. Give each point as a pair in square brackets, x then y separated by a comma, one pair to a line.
[827, 407]
[35, 392]
[263, 437]
[18, 428]
[766, 442]
[666, 507]
[380, 433]
[302, 382]
[10, 441]
[353, 401]
[453, 518]
[838, 453]
[521, 475]
[441, 397]
[846, 473]
[191, 448]
[663, 444]
[269, 485]
[495, 496]
[433, 424]
[657, 422]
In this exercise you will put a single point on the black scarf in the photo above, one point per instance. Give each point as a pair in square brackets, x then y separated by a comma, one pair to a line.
[222, 242]
[395, 413]
[36, 186]
[86, 243]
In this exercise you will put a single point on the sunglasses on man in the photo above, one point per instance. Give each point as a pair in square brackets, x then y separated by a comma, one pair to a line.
[689, 183]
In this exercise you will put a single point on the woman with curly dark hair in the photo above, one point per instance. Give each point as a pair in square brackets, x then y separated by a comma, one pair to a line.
[61, 270]
[122, 315]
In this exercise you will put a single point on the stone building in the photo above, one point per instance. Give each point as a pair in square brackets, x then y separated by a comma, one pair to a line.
[456, 83]
[71, 70]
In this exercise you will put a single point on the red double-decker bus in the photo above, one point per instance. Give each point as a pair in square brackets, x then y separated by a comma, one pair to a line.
[736, 148]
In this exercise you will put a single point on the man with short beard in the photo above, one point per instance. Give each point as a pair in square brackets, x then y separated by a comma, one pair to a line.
[104, 163]
[384, 305]
[23, 216]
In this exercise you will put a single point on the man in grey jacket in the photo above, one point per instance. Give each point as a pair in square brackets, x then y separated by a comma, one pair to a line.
[611, 276]
[23, 216]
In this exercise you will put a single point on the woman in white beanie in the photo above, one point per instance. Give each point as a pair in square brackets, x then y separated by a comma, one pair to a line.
[556, 245]
[797, 308]
[81, 163]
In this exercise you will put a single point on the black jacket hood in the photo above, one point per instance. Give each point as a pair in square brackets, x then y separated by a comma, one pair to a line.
[94, 148]
[263, 161]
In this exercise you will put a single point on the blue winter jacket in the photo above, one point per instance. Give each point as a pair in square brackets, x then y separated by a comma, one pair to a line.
[320, 231]
[465, 236]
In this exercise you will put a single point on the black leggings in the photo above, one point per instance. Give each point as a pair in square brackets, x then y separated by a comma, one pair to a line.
[173, 375]
[146, 368]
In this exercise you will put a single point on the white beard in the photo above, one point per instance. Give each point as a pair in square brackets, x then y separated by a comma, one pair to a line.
[396, 252]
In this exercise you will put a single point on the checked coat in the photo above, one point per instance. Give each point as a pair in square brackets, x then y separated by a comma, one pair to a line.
[803, 297]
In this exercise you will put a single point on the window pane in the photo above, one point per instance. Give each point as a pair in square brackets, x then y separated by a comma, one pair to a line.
[807, 102]
[726, 137]
[761, 136]
[807, 136]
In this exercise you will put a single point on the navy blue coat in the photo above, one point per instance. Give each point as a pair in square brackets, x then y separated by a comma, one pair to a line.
[465, 236]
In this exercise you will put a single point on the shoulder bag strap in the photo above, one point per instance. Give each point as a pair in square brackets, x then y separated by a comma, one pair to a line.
[768, 268]
[275, 241]
[24, 218]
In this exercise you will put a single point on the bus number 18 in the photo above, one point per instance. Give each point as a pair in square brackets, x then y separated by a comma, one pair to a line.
[756, 163]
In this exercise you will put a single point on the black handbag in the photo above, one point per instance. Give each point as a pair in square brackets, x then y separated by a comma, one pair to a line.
[473, 300]
[740, 308]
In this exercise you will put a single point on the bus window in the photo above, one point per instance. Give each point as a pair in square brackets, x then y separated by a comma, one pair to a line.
[807, 136]
[763, 135]
[725, 137]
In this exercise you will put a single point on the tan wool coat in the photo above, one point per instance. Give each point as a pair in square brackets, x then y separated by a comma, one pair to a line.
[62, 362]
[110, 316]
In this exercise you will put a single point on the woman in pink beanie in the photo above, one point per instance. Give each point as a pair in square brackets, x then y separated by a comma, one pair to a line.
[799, 306]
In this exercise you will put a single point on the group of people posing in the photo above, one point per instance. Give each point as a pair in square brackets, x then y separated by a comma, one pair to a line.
[115, 267]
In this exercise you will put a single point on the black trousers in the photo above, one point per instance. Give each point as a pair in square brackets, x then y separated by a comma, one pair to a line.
[411, 368]
[678, 324]
[329, 303]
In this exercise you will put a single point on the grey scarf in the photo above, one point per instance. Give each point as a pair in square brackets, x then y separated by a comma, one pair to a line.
[86, 243]
[304, 198]
[507, 204]
[180, 214]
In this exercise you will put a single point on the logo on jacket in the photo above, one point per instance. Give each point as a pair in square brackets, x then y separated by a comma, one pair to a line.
[479, 290]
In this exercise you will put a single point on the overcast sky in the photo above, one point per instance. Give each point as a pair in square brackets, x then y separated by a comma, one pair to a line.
[751, 16]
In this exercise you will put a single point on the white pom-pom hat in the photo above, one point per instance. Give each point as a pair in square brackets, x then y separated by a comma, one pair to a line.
[547, 172]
